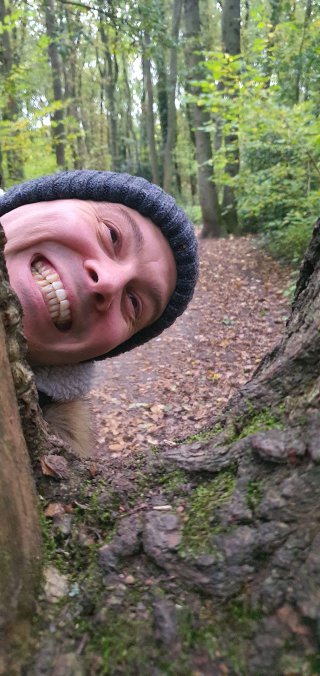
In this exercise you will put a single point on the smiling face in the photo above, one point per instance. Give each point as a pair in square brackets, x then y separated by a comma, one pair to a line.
[88, 275]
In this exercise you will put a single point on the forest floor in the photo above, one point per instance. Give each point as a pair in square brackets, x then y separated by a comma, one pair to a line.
[115, 601]
[171, 387]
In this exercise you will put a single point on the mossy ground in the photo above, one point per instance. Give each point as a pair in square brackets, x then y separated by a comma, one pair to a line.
[110, 613]
[201, 511]
[114, 617]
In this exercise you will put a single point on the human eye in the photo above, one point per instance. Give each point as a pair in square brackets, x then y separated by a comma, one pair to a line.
[113, 235]
[135, 305]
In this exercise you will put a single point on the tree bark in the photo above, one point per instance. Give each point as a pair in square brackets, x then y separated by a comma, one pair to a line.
[20, 551]
[57, 119]
[71, 79]
[172, 82]
[264, 547]
[207, 190]
[307, 17]
[132, 150]
[146, 66]
[230, 28]
[110, 77]
[11, 106]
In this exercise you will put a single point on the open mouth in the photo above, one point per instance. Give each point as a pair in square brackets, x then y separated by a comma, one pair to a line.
[53, 293]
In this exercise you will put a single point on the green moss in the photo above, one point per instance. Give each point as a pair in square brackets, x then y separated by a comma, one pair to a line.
[206, 499]
[223, 632]
[125, 641]
[263, 420]
[204, 435]
[172, 481]
[124, 638]
[254, 493]
[123, 644]
[314, 664]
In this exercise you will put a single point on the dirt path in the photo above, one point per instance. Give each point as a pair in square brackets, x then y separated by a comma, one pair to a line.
[172, 387]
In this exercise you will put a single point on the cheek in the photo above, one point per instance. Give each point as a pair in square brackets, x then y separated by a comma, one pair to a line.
[107, 334]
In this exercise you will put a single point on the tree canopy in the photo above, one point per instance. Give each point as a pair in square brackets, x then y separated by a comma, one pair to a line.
[216, 101]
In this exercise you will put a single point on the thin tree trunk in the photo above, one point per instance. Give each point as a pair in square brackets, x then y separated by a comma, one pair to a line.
[70, 67]
[146, 65]
[306, 22]
[10, 106]
[230, 28]
[109, 79]
[58, 125]
[207, 190]
[162, 92]
[172, 82]
[130, 131]
[274, 20]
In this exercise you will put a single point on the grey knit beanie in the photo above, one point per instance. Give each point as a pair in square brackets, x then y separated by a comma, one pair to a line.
[137, 193]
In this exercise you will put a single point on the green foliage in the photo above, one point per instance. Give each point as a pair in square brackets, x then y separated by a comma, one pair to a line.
[276, 114]
[266, 101]
[193, 212]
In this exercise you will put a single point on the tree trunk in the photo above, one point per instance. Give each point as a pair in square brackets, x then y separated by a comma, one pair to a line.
[162, 92]
[71, 79]
[10, 105]
[230, 26]
[262, 557]
[172, 114]
[132, 150]
[20, 552]
[276, 8]
[146, 65]
[307, 17]
[57, 119]
[207, 190]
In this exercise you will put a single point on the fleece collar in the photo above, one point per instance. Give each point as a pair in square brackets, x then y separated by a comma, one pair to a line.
[64, 383]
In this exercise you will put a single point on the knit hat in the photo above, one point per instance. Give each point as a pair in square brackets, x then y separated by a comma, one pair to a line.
[136, 193]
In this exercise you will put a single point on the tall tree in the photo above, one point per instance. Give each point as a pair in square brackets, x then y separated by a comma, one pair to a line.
[58, 124]
[11, 103]
[71, 80]
[109, 72]
[207, 190]
[172, 82]
[299, 69]
[230, 29]
[148, 86]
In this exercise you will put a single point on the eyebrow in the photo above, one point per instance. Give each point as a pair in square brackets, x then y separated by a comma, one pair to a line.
[137, 234]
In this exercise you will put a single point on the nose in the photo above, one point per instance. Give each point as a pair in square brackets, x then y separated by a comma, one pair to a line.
[106, 281]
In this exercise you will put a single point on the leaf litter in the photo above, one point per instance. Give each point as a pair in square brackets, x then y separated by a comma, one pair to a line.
[172, 387]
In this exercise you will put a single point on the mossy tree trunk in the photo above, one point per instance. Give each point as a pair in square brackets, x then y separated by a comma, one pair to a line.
[259, 545]
[20, 551]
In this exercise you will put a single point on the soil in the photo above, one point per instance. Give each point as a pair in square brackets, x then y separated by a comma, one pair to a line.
[172, 387]
[133, 581]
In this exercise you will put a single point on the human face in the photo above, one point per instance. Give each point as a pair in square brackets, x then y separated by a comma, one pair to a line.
[114, 268]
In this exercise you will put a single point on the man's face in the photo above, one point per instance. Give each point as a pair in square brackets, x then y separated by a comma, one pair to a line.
[88, 275]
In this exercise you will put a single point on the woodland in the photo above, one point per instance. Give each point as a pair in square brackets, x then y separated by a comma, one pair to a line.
[218, 102]
[189, 542]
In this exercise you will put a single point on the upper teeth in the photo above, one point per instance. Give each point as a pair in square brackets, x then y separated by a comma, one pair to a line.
[52, 291]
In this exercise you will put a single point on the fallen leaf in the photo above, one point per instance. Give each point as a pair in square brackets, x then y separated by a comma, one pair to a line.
[55, 466]
[54, 509]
